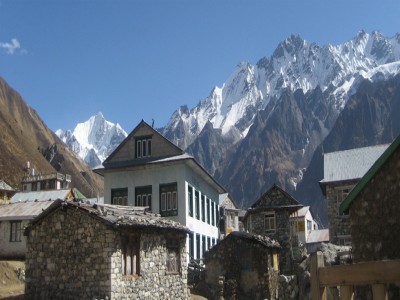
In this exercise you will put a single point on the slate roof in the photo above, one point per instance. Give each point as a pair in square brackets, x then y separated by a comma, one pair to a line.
[5, 187]
[345, 205]
[22, 210]
[116, 216]
[350, 164]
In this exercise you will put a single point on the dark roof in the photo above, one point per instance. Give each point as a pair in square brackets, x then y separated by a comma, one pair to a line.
[267, 201]
[5, 187]
[344, 207]
[141, 124]
[118, 217]
[247, 237]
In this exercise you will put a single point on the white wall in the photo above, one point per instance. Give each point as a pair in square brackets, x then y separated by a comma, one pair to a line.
[184, 176]
[11, 249]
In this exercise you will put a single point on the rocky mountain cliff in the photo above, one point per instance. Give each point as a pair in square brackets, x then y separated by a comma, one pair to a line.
[25, 137]
[264, 124]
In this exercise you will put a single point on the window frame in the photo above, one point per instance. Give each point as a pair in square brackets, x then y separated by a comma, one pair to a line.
[141, 192]
[120, 195]
[15, 231]
[173, 249]
[130, 248]
[340, 194]
[168, 199]
[143, 146]
[268, 217]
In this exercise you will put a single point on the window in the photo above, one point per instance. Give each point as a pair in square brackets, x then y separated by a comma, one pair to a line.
[275, 261]
[309, 227]
[204, 245]
[119, 196]
[173, 257]
[143, 147]
[143, 196]
[34, 186]
[208, 242]
[208, 211]
[203, 208]
[197, 205]
[190, 201]
[191, 245]
[212, 213]
[130, 256]
[198, 246]
[168, 199]
[15, 231]
[269, 222]
[341, 194]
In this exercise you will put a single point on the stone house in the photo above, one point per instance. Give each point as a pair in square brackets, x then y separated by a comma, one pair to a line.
[229, 215]
[270, 216]
[38, 182]
[243, 266]
[13, 218]
[342, 171]
[92, 251]
[147, 170]
[21, 209]
[6, 192]
[373, 206]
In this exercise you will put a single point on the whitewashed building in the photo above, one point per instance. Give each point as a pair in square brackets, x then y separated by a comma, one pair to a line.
[303, 224]
[146, 169]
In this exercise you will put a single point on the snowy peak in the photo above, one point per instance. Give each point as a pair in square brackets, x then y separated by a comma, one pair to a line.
[295, 64]
[94, 139]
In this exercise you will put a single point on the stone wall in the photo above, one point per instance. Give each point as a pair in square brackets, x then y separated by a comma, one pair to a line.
[255, 224]
[374, 215]
[71, 255]
[339, 224]
[247, 270]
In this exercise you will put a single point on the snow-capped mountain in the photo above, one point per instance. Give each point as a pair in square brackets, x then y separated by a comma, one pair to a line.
[295, 64]
[94, 139]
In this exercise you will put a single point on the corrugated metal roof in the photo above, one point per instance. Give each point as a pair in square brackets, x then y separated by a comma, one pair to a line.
[350, 164]
[318, 236]
[5, 187]
[22, 210]
[41, 195]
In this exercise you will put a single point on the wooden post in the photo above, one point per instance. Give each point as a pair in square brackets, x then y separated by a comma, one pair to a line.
[316, 261]
[379, 292]
[346, 292]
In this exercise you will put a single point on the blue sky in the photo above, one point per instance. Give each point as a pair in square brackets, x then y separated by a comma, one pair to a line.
[144, 59]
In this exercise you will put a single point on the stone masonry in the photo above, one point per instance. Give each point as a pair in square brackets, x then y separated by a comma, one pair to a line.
[72, 254]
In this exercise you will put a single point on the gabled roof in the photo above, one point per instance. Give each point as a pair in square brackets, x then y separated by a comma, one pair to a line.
[5, 187]
[118, 217]
[131, 135]
[395, 146]
[47, 195]
[22, 210]
[176, 155]
[227, 197]
[350, 164]
[245, 237]
[270, 201]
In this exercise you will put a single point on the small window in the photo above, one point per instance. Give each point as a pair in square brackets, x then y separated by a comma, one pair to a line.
[143, 147]
[173, 257]
[341, 194]
[191, 245]
[203, 208]
[168, 199]
[198, 255]
[213, 213]
[119, 196]
[143, 196]
[269, 222]
[190, 201]
[208, 211]
[130, 256]
[15, 231]
[275, 261]
[197, 205]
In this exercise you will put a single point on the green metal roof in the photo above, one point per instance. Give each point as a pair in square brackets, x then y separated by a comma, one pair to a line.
[344, 207]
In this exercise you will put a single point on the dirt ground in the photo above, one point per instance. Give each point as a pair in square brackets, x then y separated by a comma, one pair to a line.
[11, 287]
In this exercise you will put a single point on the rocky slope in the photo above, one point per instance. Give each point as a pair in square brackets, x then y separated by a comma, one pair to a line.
[25, 137]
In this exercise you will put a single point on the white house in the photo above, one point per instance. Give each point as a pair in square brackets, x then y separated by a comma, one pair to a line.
[146, 169]
[229, 215]
[303, 224]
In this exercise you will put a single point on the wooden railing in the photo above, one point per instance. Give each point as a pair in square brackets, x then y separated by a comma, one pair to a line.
[378, 274]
